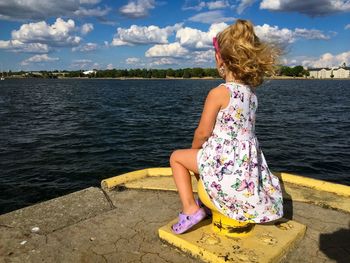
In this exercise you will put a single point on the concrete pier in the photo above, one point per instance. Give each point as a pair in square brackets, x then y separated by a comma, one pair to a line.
[121, 224]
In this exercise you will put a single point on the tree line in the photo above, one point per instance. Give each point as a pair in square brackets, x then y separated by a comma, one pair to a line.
[297, 71]
[150, 73]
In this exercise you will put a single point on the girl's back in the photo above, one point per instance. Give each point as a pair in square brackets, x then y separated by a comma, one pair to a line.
[237, 120]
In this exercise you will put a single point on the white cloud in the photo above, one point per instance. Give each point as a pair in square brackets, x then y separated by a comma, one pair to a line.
[58, 34]
[110, 66]
[204, 57]
[274, 34]
[243, 5]
[136, 35]
[287, 36]
[217, 4]
[215, 28]
[88, 47]
[40, 37]
[163, 61]
[193, 38]
[328, 60]
[137, 8]
[18, 46]
[87, 28]
[167, 50]
[97, 12]
[211, 5]
[270, 4]
[131, 61]
[82, 61]
[310, 34]
[192, 45]
[201, 58]
[199, 5]
[293, 61]
[347, 26]
[24, 10]
[211, 17]
[90, 2]
[196, 39]
[38, 59]
[309, 7]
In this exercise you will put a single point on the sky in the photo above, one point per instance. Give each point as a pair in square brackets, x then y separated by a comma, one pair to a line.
[106, 34]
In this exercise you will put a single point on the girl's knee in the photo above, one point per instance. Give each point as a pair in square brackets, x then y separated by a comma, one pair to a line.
[174, 156]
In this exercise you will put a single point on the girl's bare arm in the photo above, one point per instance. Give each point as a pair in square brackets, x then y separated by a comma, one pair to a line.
[216, 99]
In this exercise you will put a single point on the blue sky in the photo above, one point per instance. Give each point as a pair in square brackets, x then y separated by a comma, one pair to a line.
[104, 34]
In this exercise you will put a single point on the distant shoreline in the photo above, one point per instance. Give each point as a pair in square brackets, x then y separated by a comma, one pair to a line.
[173, 78]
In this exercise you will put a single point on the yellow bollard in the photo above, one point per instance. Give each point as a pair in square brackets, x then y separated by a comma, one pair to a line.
[222, 224]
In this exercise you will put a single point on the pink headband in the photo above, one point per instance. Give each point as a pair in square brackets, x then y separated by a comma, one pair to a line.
[216, 45]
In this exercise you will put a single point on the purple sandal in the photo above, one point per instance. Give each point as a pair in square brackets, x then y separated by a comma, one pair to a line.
[188, 221]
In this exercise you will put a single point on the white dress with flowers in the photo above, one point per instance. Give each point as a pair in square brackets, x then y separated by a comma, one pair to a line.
[233, 168]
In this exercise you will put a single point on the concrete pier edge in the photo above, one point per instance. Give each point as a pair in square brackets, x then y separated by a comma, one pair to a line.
[120, 221]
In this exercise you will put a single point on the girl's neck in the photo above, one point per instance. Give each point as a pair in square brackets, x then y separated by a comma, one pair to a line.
[233, 81]
[231, 78]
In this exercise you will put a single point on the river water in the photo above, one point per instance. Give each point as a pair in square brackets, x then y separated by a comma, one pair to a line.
[59, 136]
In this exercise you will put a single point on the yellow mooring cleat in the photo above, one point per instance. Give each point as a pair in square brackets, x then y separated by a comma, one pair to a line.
[222, 224]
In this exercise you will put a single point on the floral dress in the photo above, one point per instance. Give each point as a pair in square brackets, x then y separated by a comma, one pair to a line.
[233, 168]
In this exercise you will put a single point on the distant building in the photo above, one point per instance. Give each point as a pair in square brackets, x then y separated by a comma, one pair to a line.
[342, 72]
[314, 72]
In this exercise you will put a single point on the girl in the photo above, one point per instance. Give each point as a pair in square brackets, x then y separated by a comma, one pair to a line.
[225, 153]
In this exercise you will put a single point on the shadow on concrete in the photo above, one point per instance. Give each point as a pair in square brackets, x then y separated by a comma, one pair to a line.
[336, 245]
[287, 200]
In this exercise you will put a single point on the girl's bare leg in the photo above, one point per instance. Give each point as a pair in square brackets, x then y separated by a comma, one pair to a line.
[181, 161]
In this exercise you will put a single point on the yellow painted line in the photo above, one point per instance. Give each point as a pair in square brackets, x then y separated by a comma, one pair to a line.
[316, 184]
[112, 182]
[165, 171]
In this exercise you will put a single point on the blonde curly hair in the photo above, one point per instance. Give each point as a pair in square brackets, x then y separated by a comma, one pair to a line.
[242, 52]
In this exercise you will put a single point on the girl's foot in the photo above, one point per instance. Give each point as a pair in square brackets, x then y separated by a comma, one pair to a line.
[191, 209]
[187, 221]
[201, 205]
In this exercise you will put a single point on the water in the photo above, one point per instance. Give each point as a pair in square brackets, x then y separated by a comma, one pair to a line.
[59, 136]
